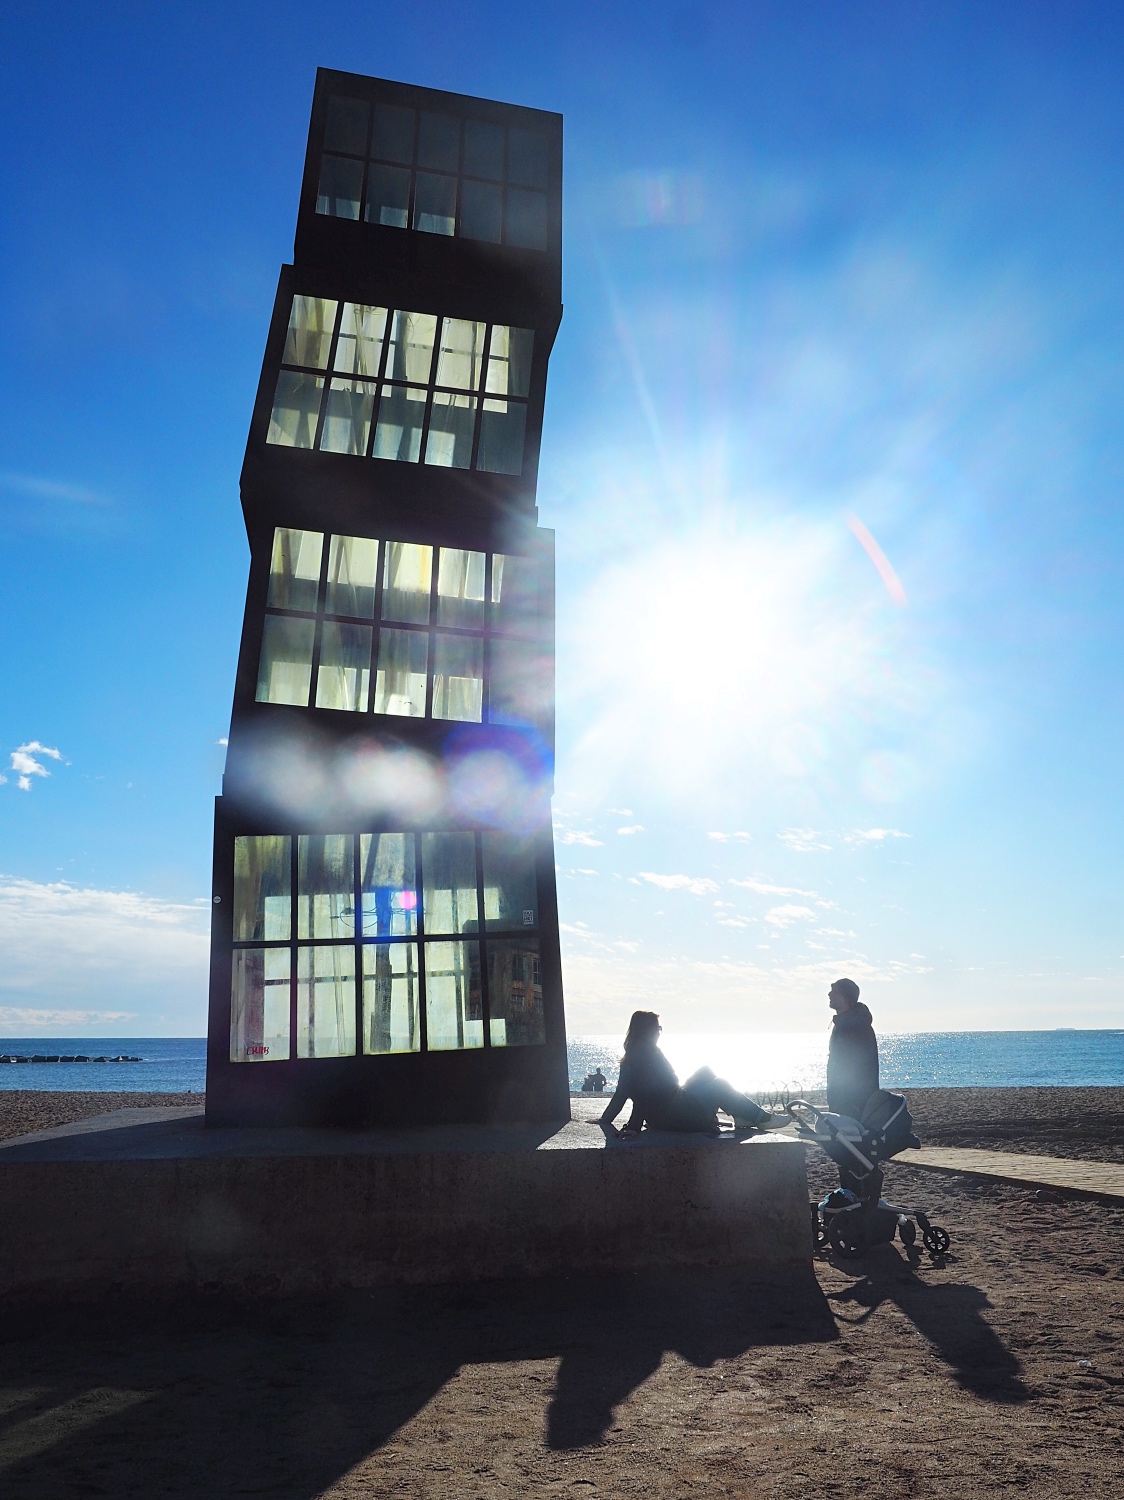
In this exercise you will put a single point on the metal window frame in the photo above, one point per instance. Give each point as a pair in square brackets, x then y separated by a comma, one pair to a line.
[369, 159]
[359, 940]
[486, 633]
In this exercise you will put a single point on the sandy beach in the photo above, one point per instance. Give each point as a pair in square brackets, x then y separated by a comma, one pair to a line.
[998, 1370]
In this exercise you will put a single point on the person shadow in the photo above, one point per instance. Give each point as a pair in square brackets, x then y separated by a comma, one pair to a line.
[703, 1317]
[949, 1316]
[283, 1396]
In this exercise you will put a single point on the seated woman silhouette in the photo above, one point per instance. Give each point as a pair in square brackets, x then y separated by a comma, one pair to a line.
[658, 1099]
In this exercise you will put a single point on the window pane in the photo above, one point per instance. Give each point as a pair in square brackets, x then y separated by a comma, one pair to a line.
[389, 884]
[521, 679]
[411, 347]
[453, 1011]
[515, 995]
[483, 150]
[309, 337]
[393, 138]
[400, 679]
[347, 417]
[326, 1001]
[294, 568]
[359, 346]
[527, 158]
[391, 994]
[439, 139]
[481, 211]
[407, 575]
[261, 888]
[449, 869]
[452, 421]
[344, 676]
[341, 187]
[458, 677]
[502, 426]
[401, 412]
[285, 670]
[516, 588]
[460, 355]
[259, 1005]
[509, 360]
[346, 127]
[325, 885]
[460, 587]
[388, 196]
[510, 889]
[352, 569]
[526, 219]
[296, 406]
[435, 203]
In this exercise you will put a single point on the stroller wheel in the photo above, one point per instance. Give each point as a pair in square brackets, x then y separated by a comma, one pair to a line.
[846, 1234]
[936, 1239]
[907, 1232]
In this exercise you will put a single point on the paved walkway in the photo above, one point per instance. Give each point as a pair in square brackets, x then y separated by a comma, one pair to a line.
[1105, 1179]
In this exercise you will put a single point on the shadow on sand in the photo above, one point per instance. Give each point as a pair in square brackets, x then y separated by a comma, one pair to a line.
[948, 1315]
[281, 1398]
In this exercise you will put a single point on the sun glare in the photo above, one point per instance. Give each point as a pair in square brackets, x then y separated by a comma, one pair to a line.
[712, 652]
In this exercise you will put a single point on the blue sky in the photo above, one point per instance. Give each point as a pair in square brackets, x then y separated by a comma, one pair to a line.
[842, 285]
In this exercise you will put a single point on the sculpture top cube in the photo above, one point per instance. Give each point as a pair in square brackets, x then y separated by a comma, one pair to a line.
[385, 936]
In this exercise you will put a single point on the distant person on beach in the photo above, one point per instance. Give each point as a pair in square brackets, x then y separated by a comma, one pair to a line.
[852, 1052]
[658, 1099]
[594, 1083]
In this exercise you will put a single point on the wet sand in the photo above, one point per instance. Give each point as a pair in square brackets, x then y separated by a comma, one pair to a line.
[871, 1378]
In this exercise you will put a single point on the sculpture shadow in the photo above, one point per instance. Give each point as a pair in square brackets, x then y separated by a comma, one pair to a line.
[948, 1315]
[281, 1398]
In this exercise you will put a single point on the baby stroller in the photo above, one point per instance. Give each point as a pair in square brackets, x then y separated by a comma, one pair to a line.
[854, 1219]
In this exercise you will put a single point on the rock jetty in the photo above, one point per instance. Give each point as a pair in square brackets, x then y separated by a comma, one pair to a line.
[58, 1057]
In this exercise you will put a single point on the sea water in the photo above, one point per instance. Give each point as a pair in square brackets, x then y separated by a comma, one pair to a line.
[753, 1061]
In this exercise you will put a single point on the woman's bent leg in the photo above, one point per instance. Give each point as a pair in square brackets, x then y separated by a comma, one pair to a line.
[716, 1093]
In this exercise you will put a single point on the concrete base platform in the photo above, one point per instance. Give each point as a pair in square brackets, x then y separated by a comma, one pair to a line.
[149, 1198]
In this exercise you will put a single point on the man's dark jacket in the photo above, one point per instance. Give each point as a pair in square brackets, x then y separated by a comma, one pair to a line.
[852, 1061]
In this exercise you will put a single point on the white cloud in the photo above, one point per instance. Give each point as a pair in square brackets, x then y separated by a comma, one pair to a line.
[50, 489]
[635, 828]
[603, 986]
[24, 762]
[730, 838]
[802, 840]
[697, 887]
[621, 812]
[873, 835]
[574, 837]
[223, 741]
[763, 888]
[97, 953]
[27, 1021]
[784, 916]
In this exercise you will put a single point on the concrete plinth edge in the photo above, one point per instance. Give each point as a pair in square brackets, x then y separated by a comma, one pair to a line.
[315, 1220]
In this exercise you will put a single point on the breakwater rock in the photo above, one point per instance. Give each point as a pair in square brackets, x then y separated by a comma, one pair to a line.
[40, 1057]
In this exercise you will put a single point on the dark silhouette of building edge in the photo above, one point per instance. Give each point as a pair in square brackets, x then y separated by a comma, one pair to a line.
[475, 239]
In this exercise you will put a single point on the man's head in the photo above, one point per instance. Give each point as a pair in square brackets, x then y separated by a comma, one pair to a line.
[843, 995]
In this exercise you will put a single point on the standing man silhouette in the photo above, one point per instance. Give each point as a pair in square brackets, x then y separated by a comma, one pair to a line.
[852, 1052]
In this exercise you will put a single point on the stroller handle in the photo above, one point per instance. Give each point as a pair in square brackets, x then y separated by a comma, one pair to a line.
[800, 1111]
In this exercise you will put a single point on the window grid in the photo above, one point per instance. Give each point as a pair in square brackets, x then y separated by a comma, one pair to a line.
[485, 939]
[518, 191]
[381, 387]
[433, 631]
